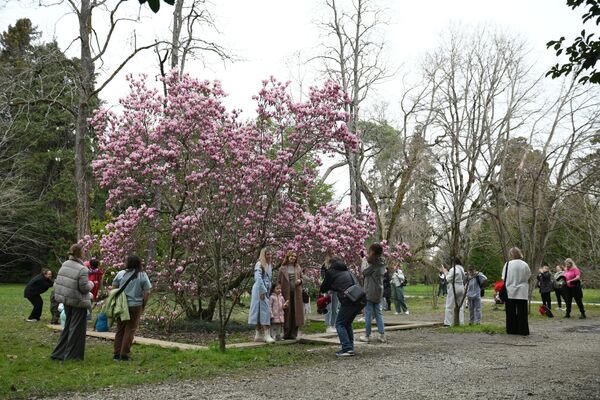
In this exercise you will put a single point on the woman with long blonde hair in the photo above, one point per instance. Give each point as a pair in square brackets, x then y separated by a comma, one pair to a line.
[290, 279]
[260, 312]
[573, 289]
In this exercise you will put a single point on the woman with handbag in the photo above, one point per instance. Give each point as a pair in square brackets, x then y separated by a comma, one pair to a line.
[515, 293]
[340, 280]
[136, 285]
[573, 288]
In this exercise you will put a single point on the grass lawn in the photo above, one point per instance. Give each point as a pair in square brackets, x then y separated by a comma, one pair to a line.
[589, 295]
[26, 369]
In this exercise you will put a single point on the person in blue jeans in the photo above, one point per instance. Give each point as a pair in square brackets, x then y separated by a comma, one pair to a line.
[373, 275]
[337, 279]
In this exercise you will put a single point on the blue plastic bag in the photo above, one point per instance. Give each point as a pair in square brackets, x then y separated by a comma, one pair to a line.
[101, 323]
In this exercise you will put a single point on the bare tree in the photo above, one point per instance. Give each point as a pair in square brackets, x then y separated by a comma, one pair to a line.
[481, 100]
[94, 49]
[550, 172]
[352, 57]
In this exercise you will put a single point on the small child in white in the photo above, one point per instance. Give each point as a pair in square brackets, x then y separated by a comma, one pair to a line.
[475, 285]
[278, 304]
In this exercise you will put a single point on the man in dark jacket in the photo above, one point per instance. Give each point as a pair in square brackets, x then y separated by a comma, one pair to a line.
[337, 279]
[37, 285]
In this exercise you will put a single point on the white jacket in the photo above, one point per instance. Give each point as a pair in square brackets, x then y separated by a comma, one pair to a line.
[517, 280]
[459, 279]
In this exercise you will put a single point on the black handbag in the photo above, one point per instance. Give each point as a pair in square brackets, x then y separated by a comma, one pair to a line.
[355, 293]
[503, 294]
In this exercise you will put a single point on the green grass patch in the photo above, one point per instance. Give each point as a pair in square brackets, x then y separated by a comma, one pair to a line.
[589, 295]
[26, 369]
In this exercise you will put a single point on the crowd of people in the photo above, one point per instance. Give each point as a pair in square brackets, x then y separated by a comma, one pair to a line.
[278, 306]
[77, 286]
[516, 274]
[277, 310]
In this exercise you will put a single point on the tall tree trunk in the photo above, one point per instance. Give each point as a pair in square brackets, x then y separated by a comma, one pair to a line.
[175, 40]
[86, 75]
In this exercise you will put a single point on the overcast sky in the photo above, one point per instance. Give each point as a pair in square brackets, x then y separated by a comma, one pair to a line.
[266, 34]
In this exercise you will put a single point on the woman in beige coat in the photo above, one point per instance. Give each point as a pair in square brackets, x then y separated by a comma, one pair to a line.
[290, 279]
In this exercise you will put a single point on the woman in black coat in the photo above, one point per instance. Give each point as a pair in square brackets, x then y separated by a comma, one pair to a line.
[37, 285]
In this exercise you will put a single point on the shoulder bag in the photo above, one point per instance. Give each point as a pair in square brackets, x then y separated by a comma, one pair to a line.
[354, 293]
[503, 294]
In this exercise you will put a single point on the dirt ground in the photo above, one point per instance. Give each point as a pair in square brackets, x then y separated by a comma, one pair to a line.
[557, 361]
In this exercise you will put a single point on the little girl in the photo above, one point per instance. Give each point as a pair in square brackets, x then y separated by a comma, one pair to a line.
[278, 304]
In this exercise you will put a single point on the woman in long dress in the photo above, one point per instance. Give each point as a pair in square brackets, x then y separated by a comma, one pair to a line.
[260, 312]
[290, 279]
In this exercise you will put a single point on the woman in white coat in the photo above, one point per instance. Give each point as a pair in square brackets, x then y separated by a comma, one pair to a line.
[516, 275]
[455, 279]
[260, 308]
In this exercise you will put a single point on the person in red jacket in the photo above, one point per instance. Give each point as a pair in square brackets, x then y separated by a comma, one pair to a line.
[497, 287]
[95, 276]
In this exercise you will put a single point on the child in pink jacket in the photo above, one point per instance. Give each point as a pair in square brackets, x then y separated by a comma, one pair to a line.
[278, 305]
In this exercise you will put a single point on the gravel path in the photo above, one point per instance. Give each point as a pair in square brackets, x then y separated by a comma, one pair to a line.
[420, 364]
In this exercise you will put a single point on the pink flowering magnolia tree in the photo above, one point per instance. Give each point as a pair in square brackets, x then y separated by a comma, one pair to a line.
[205, 191]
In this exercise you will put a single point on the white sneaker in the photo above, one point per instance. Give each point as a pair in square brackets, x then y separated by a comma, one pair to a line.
[382, 338]
[361, 319]
[366, 339]
[396, 313]
[258, 337]
[406, 312]
[331, 329]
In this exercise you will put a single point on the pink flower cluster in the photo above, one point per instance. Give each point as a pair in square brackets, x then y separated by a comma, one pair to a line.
[398, 253]
[209, 189]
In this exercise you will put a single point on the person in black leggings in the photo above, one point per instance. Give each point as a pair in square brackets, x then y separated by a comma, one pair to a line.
[572, 275]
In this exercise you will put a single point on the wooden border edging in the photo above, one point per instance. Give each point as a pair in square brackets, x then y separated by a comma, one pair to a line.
[318, 338]
[139, 340]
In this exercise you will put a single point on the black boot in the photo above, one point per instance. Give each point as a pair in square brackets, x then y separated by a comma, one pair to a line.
[582, 316]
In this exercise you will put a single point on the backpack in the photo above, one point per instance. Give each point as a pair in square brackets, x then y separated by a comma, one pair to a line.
[482, 284]
[544, 310]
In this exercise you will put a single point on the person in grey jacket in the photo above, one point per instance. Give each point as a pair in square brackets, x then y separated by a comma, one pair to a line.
[373, 275]
[475, 282]
[72, 288]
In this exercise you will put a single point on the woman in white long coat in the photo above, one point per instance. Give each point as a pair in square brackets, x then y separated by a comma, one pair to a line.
[516, 275]
[260, 311]
[455, 279]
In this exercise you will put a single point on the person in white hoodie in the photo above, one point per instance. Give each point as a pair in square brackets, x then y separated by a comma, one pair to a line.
[455, 279]
[516, 275]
